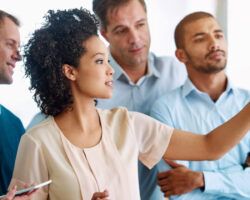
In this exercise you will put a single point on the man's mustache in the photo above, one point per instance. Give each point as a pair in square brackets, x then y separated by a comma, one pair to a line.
[211, 52]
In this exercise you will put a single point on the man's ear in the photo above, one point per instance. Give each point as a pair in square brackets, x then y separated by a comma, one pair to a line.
[69, 72]
[181, 55]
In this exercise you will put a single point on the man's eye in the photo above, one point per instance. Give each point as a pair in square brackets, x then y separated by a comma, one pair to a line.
[119, 32]
[219, 36]
[10, 45]
[140, 25]
[198, 40]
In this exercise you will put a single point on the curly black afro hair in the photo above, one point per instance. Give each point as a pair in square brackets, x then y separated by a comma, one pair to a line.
[59, 41]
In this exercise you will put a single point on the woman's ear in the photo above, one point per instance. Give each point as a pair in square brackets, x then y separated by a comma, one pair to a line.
[181, 55]
[69, 72]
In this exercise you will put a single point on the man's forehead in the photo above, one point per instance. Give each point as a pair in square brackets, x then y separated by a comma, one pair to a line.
[117, 15]
[10, 30]
[202, 24]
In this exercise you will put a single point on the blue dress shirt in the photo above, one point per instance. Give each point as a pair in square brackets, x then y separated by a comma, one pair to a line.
[189, 109]
[163, 74]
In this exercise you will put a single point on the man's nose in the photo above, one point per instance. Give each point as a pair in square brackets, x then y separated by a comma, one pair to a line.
[17, 56]
[133, 36]
[214, 45]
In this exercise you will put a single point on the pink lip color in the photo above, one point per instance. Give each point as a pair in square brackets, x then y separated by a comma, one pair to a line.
[216, 55]
[135, 50]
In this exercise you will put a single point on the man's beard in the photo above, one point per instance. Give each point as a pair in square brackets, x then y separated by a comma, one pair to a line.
[209, 68]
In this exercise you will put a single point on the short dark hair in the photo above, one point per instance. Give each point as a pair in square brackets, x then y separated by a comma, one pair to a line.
[4, 14]
[59, 41]
[101, 8]
[180, 28]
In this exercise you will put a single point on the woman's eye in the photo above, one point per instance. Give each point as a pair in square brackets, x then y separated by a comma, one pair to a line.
[99, 61]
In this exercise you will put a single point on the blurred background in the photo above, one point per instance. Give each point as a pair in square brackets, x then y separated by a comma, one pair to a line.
[163, 16]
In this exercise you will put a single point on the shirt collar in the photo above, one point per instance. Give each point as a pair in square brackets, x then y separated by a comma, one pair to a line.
[188, 87]
[152, 70]
[120, 72]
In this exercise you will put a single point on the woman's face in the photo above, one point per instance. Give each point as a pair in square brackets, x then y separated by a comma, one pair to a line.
[93, 77]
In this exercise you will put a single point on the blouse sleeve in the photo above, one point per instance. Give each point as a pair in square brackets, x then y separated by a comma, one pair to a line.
[30, 166]
[152, 137]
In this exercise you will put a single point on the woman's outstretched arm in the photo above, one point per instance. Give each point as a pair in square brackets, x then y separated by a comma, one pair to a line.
[187, 146]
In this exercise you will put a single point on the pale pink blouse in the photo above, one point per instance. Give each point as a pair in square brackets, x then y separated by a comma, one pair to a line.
[45, 153]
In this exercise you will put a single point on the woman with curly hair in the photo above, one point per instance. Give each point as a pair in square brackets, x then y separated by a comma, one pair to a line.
[91, 153]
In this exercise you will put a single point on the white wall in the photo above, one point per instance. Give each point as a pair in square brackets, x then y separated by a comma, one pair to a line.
[165, 14]
[163, 17]
[239, 42]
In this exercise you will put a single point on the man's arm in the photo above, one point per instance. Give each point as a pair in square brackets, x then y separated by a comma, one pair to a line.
[231, 184]
[181, 180]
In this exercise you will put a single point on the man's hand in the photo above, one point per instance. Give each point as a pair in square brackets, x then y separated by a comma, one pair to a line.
[179, 180]
[100, 195]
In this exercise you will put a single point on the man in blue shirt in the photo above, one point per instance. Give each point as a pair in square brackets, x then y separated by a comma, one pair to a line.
[140, 76]
[206, 100]
[11, 128]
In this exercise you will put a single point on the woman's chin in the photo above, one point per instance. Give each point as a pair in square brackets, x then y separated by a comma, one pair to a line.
[107, 96]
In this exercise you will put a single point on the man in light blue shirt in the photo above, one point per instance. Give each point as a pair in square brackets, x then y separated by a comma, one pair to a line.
[140, 77]
[163, 74]
[205, 101]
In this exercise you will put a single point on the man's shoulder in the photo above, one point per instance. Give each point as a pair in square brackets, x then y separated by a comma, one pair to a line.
[172, 95]
[242, 91]
[9, 121]
[242, 94]
[169, 99]
[39, 117]
[168, 66]
[7, 114]
[163, 60]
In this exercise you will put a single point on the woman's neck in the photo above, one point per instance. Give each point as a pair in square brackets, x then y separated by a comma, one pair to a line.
[81, 125]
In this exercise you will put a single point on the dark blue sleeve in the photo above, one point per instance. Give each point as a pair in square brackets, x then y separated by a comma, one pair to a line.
[11, 130]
